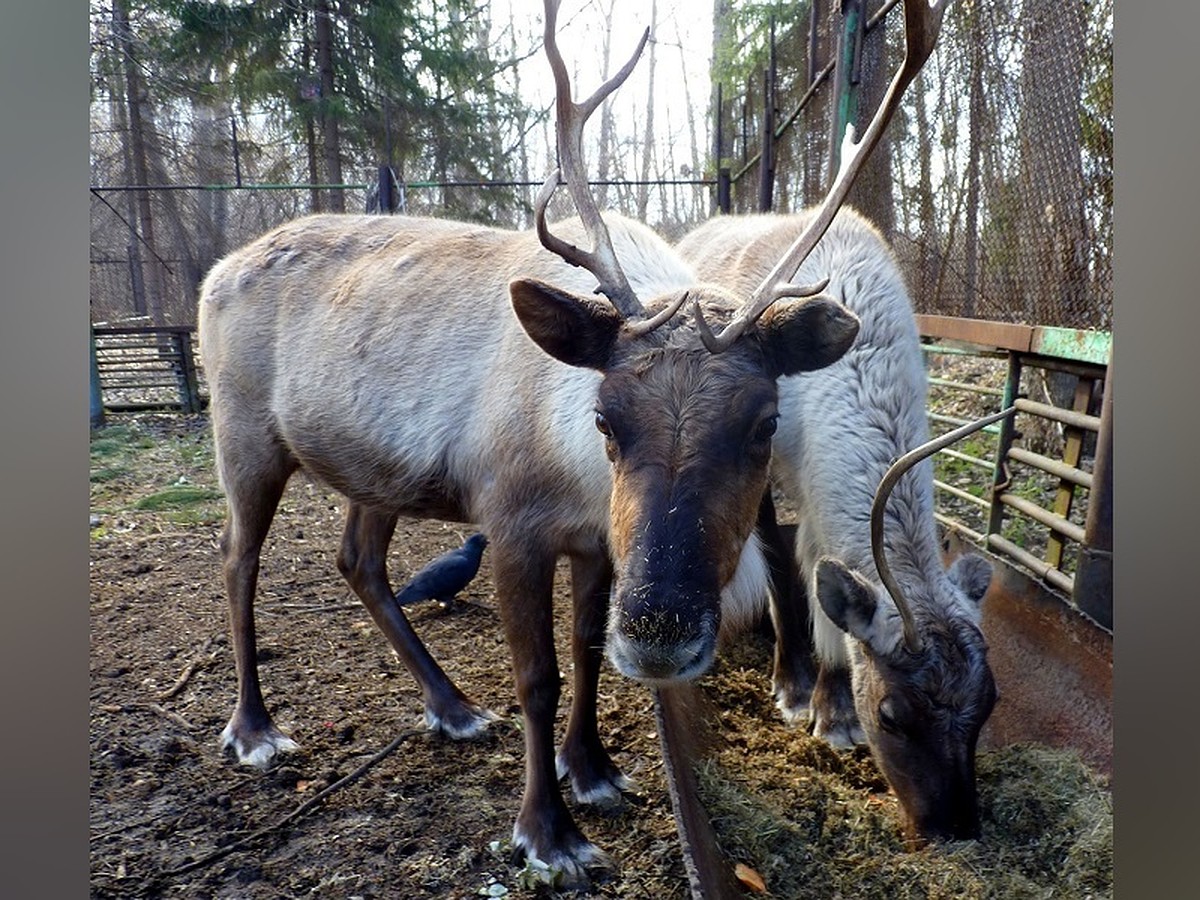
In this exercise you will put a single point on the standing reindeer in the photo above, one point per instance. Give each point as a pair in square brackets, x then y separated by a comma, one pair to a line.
[440, 369]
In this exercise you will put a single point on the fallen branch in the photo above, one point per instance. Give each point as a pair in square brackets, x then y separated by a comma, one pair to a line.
[173, 716]
[300, 810]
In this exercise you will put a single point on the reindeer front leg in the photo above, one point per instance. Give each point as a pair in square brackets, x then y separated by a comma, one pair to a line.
[544, 830]
[582, 757]
[794, 672]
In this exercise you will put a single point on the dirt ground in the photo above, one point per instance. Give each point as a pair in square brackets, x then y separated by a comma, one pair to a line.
[432, 819]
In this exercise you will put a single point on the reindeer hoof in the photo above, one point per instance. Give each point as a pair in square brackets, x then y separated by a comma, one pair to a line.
[565, 866]
[599, 784]
[460, 723]
[256, 747]
[840, 734]
[796, 714]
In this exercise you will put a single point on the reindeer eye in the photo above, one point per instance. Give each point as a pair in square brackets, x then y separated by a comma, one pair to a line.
[602, 425]
[887, 717]
[766, 429]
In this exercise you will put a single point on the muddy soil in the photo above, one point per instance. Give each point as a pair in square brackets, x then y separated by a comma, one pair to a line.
[434, 818]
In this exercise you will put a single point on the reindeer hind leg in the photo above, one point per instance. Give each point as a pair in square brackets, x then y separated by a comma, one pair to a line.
[362, 560]
[254, 473]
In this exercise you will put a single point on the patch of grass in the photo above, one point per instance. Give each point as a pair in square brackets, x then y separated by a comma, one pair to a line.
[156, 466]
[177, 496]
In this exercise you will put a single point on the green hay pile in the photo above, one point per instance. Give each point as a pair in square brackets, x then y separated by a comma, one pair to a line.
[820, 824]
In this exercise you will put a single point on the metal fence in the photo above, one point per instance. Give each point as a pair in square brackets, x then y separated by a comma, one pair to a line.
[998, 168]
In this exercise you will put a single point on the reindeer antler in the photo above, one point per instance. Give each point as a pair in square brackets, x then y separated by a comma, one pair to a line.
[912, 638]
[570, 117]
[922, 22]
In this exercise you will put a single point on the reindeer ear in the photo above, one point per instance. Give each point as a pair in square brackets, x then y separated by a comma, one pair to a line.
[972, 574]
[856, 607]
[580, 331]
[808, 333]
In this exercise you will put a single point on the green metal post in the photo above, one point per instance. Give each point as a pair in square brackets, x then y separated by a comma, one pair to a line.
[96, 396]
[845, 80]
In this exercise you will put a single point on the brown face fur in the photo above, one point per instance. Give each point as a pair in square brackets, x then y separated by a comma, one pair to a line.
[687, 480]
[689, 435]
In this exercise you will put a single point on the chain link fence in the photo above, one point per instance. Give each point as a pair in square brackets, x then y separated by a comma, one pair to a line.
[994, 184]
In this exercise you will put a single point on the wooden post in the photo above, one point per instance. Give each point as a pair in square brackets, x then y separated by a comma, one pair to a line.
[1000, 477]
[189, 385]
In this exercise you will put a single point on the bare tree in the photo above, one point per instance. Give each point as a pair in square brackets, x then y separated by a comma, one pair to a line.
[643, 194]
[1051, 86]
[140, 123]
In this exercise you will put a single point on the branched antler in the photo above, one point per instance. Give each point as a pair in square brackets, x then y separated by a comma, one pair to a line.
[922, 22]
[570, 117]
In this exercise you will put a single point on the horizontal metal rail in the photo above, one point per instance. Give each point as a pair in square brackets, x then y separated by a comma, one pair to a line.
[1051, 466]
[947, 350]
[961, 494]
[971, 533]
[1041, 568]
[1055, 523]
[968, 458]
[964, 386]
[958, 422]
[1058, 414]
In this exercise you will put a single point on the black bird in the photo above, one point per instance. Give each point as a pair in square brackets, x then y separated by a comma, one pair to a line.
[446, 575]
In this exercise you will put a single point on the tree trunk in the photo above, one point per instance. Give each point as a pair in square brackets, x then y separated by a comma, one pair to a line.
[929, 242]
[310, 131]
[137, 284]
[816, 114]
[139, 120]
[323, 32]
[604, 163]
[643, 194]
[975, 115]
[725, 115]
[871, 194]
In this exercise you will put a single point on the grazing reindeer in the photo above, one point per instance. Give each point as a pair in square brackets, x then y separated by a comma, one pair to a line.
[839, 430]
[911, 679]
[435, 368]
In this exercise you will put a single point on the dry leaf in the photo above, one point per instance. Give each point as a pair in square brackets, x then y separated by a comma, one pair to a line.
[750, 878]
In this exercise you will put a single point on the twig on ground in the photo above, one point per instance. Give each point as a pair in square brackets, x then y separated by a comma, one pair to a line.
[311, 607]
[300, 810]
[153, 707]
[198, 663]
[173, 716]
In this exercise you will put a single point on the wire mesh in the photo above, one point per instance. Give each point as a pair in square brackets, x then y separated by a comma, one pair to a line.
[994, 185]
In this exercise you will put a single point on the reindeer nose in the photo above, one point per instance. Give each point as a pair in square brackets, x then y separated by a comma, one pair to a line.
[657, 663]
[961, 823]
[661, 645]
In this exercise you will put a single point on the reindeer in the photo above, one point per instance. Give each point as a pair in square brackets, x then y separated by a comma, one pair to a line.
[441, 369]
[902, 661]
